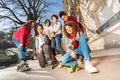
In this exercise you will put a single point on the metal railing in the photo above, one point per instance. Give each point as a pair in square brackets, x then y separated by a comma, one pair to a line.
[111, 22]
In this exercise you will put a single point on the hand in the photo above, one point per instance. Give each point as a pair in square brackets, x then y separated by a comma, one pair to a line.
[20, 45]
[52, 35]
[73, 55]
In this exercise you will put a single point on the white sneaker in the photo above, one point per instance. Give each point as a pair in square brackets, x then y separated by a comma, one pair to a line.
[90, 68]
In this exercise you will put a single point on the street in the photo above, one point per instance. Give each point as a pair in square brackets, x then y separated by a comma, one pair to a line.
[107, 61]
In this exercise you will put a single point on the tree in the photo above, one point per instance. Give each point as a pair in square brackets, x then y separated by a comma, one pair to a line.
[18, 11]
[14, 13]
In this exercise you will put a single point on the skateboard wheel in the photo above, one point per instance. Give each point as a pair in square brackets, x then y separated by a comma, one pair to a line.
[60, 66]
[77, 68]
[70, 70]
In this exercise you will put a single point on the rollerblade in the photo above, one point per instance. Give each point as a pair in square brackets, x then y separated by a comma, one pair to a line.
[23, 66]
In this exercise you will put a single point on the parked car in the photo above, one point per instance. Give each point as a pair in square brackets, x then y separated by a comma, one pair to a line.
[8, 57]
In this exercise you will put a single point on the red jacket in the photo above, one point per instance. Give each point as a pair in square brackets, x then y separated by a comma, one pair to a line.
[22, 35]
[71, 18]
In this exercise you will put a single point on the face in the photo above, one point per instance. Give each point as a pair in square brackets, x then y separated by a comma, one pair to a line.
[69, 29]
[54, 19]
[47, 23]
[40, 30]
[32, 25]
[64, 18]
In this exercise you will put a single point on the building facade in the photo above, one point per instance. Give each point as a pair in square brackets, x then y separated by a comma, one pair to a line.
[101, 19]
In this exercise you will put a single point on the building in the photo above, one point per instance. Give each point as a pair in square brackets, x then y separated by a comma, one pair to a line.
[101, 19]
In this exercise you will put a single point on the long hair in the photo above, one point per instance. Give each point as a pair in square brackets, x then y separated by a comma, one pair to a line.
[74, 27]
[28, 24]
[47, 20]
[39, 25]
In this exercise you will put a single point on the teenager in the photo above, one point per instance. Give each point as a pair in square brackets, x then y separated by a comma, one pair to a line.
[67, 18]
[56, 35]
[21, 38]
[47, 28]
[77, 46]
[42, 47]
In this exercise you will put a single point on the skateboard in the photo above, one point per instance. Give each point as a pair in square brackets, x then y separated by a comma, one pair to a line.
[73, 66]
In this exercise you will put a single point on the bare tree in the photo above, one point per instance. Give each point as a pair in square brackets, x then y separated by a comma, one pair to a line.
[18, 11]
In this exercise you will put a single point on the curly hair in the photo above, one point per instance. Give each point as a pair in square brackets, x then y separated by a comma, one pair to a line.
[74, 27]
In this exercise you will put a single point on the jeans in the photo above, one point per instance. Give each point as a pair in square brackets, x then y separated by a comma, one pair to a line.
[21, 50]
[56, 43]
[45, 55]
[82, 50]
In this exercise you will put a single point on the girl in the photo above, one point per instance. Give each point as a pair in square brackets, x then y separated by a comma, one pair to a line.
[47, 28]
[77, 46]
[20, 38]
[42, 45]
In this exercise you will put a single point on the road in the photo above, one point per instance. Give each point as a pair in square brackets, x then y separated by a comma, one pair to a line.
[107, 61]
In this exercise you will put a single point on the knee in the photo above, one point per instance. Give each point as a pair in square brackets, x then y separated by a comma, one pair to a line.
[64, 60]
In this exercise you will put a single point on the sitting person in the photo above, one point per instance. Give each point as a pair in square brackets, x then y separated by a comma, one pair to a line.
[47, 28]
[77, 47]
[67, 18]
[42, 47]
[56, 35]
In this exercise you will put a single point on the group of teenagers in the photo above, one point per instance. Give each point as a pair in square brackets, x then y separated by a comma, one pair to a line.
[48, 40]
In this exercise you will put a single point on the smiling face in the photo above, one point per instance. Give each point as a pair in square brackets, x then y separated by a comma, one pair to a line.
[54, 19]
[47, 23]
[40, 30]
[69, 29]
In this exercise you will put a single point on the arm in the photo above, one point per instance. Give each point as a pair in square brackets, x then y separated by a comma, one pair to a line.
[36, 44]
[47, 40]
[22, 34]
[70, 50]
[27, 39]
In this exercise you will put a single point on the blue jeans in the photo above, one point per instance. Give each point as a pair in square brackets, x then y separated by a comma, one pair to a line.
[56, 43]
[21, 50]
[82, 50]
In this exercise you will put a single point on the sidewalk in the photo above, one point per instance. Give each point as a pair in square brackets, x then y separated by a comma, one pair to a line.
[107, 61]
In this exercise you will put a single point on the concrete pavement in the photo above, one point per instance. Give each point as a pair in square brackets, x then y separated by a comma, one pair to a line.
[107, 61]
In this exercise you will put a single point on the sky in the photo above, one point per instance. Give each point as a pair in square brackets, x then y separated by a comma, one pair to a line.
[56, 10]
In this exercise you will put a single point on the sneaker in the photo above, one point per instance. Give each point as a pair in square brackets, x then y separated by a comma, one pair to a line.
[49, 62]
[90, 68]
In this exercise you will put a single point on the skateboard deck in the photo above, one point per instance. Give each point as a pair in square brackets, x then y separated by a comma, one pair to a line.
[73, 66]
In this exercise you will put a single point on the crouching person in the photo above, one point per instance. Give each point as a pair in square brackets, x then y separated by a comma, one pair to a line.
[77, 47]
[43, 49]
[21, 39]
